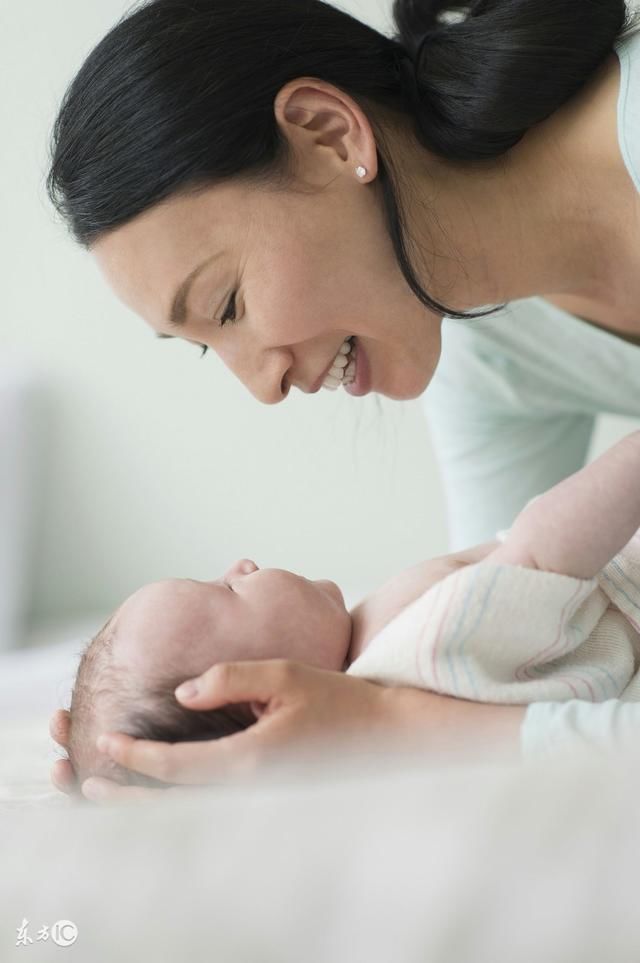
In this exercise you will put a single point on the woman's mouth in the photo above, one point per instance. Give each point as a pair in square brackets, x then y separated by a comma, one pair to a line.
[343, 366]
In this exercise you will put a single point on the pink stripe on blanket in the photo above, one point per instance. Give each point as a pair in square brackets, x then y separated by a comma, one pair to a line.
[522, 671]
[438, 638]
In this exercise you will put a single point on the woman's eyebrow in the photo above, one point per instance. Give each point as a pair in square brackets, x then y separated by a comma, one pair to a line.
[178, 313]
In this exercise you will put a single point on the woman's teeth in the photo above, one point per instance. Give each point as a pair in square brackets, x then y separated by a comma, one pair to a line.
[343, 368]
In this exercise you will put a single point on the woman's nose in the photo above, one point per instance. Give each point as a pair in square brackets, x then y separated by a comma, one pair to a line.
[264, 375]
[269, 391]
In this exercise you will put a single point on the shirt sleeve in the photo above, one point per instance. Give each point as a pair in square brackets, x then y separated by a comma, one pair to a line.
[551, 727]
[495, 449]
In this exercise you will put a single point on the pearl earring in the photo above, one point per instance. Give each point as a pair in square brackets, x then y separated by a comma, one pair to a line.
[361, 171]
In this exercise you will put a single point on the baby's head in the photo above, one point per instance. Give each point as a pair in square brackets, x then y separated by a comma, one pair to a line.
[175, 629]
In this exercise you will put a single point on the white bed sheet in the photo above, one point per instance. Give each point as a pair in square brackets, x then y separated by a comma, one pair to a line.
[377, 860]
[33, 682]
[395, 862]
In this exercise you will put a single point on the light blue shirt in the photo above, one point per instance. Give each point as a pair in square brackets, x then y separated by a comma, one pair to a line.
[511, 410]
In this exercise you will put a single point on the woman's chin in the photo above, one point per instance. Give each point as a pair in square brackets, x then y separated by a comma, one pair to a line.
[404, 381]
[407, 392]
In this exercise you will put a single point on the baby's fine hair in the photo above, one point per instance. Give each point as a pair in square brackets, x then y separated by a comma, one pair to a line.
[106, 697]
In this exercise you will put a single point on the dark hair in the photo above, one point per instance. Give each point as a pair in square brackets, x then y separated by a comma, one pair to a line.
[179, 94]
[105, 696]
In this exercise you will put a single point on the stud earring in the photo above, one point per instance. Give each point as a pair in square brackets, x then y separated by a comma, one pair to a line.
[361, 171]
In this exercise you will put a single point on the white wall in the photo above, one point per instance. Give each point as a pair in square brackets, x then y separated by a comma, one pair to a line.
[157, 463]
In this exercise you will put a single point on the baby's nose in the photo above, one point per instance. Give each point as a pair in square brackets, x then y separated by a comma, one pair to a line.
[244, 566]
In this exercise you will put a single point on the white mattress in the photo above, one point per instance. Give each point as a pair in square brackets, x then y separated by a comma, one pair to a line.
[33, 682]
[384, 864]
[388, 860]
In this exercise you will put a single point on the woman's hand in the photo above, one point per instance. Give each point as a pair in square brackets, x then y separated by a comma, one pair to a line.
[299, 707]
[62, 775]
[96, 787]
[305, 708]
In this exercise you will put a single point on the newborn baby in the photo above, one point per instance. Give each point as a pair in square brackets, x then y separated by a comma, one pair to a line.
[176, 629]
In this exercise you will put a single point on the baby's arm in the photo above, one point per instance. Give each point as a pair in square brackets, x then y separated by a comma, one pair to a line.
[376, 610]
[577, 526]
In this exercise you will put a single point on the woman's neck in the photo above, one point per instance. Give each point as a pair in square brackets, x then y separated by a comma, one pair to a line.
[531, 222]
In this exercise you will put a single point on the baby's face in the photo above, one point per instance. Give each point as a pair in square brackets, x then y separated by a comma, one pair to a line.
[249, 613]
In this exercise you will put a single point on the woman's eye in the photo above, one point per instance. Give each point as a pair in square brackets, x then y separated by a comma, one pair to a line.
[229, 311]
[228, 316]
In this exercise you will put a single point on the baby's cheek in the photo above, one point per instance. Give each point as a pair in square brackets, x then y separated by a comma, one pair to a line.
[328, 645]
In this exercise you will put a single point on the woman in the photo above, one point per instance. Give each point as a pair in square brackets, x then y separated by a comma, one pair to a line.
[283, 184]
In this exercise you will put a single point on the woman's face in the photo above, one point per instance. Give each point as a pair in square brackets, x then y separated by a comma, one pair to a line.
[305, 270]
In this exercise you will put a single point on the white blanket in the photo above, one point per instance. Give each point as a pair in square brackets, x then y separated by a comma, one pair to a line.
[508, 634]
[394, 862]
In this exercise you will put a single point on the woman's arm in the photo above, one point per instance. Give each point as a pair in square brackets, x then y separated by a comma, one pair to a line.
[550, 727]
[504, 424]
[309, 710]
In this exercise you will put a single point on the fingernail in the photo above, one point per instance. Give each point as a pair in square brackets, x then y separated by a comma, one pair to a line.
[92, 791]
[187, 690]
[102, 743]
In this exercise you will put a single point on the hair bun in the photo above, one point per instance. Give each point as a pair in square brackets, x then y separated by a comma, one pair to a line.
[496, 68]
[409, 65]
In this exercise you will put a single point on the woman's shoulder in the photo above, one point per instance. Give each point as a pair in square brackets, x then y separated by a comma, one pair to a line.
[531, 355]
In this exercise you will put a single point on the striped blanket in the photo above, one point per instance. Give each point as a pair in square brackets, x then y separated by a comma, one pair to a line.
[507, 634]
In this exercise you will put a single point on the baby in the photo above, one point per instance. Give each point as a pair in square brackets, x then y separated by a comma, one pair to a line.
[177, 628]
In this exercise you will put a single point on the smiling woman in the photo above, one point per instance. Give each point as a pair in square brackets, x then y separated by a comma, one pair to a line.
[281, 166]
[336, 192]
